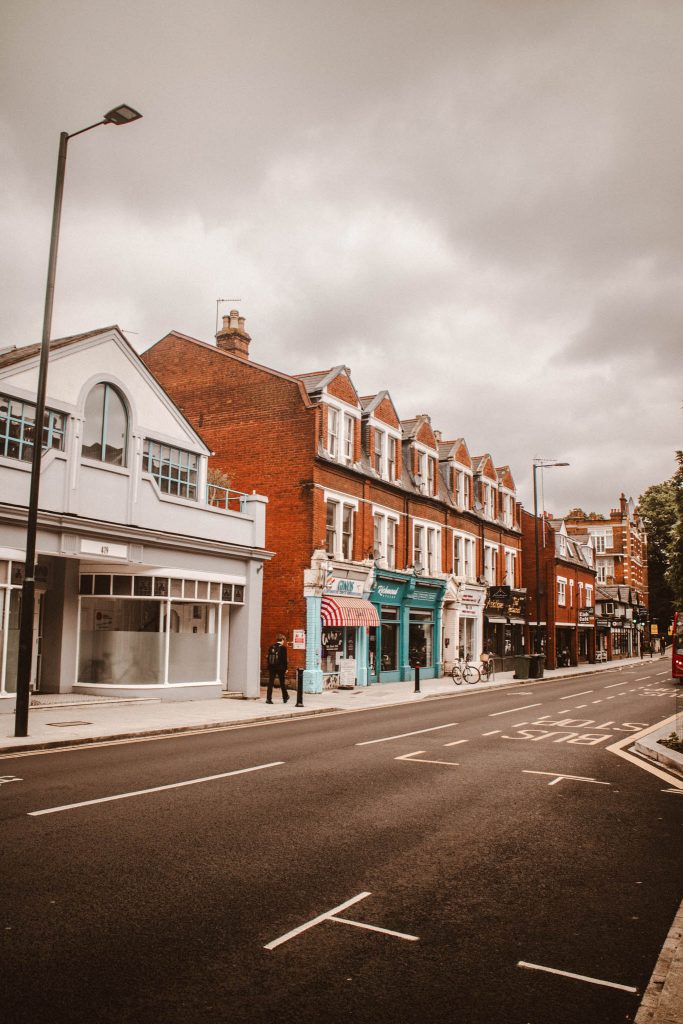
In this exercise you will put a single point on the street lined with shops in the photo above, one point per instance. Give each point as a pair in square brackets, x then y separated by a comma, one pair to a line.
[489, 856]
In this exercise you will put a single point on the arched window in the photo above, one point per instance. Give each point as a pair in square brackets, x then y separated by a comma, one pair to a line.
[105, 433]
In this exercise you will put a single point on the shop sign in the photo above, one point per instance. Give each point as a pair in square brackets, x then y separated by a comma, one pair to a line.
[498, 600]
[470, 596]
[333, 639]
[299, 639]
[517, 605]
[108, 550]
[337, 585]
[586, 616]
[347, 672]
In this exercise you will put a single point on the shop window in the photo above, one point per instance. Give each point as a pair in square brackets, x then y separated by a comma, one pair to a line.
[18, 429]
[105, 431]
[389, 638]
[420, 637]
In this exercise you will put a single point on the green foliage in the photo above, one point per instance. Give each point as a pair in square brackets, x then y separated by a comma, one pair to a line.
[673, 741]
[674, 574]
[658, 510]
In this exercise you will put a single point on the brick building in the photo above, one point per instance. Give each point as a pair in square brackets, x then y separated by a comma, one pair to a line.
[389, 540]
[566, 586]
[620, 544]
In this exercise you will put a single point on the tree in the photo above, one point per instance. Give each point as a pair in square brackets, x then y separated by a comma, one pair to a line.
[674, 574]
[658, 511]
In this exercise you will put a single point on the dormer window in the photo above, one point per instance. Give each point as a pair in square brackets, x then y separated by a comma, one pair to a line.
[378, 450]
[349, 436]
[392, 458]
[462, 488]
[431, 476]
[105, 431]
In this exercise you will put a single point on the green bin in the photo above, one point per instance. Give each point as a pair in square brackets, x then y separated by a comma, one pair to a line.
[523, 666]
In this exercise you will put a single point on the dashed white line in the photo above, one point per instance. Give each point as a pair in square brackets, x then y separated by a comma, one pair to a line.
[454, 743]
[612, 686]
[492, 733]
[570, 695]
[400, 736]
[577, 977]
[154, 789]
[511, 711]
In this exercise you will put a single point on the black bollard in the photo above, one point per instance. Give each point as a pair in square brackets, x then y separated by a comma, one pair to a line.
[417, 678]
[299, 688]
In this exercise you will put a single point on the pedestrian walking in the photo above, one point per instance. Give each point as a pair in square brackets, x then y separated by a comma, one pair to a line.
[277, 666]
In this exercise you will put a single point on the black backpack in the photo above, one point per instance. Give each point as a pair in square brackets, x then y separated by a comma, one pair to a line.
[273, 655]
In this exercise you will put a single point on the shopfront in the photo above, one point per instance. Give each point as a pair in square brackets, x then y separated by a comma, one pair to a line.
[463, 611]
[346, 617]
[408, 629]
[586, 637]
[504, 617]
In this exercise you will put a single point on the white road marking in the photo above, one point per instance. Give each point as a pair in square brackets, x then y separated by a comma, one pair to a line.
[557, 777]
[492, 733]
[511, 711]
[154, 789]
[618, 749]
[640, 679]
[454, 743]
[570, 695]
[330, 915]
[597, 701]
[424, 760]
[400, 736]
[519, 725]
[579, 706]
[4, 779]
[577, 977]
[612, 685]
[679, 792]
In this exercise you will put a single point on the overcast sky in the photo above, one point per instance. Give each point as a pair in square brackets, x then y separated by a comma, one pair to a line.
[476, 205]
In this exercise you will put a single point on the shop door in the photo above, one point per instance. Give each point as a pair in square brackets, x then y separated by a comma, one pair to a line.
[373, 669]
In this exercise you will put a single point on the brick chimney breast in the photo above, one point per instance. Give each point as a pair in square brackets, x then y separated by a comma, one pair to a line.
[232, 337]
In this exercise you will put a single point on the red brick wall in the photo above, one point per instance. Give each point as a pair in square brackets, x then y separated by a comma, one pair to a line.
[341, 387]
[264, 435]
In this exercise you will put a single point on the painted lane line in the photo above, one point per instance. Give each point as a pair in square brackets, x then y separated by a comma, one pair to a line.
[579, 706]
[577, 977]
[493, 732]
[570, 695]
[154, 789]
[316, 920]
[385, 739]
[612, 686]
[597, 701]
[331, 915]
[511, 711]
[374, 928]
[641, 679]
[424, 760]
[679, 792]
[454, 743]
[519, 725]
[557, 777]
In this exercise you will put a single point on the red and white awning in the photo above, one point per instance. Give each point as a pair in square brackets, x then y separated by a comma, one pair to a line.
[348, 611]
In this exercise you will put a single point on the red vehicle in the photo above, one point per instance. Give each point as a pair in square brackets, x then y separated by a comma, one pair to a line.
[677, 647]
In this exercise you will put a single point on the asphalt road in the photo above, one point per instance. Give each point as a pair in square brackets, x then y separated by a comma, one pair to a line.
[449, 814]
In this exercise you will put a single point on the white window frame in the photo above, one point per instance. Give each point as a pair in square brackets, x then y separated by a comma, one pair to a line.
[385, 538]
[390, 443]
[333, 431]
[571, 593]
[488, 491]
[341, 501]
[463, 485]
[431, 545]
[589, 596]
[349, 438]
[422, 477]
[562, 591]
[490, 563]
[602, 573]
[510, 555]
[339, 416]
[507, 507]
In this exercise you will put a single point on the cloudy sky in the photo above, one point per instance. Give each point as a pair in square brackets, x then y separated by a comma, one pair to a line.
[473, 203]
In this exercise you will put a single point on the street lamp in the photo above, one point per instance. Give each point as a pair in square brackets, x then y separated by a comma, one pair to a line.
[122, 114]
[539, 464]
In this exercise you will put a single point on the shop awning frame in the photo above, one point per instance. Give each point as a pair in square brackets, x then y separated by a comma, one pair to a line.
[348, 611]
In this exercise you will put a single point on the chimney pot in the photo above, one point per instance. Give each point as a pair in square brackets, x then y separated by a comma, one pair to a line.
[233, 338]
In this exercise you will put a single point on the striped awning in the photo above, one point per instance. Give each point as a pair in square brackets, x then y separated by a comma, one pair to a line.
[348, 611]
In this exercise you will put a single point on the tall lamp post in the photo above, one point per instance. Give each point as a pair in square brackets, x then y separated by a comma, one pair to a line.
[119, 115]
[539, 464]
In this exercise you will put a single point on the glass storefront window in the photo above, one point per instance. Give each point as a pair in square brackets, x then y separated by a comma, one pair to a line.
[389, 638]
[421, 637]
[193, 649]
[10, 609]
[121, 641]
[336, 642]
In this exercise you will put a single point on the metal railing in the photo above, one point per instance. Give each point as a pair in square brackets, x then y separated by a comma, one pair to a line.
[223, 497]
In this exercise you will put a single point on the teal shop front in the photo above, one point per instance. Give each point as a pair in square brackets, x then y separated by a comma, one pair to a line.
[409, 630]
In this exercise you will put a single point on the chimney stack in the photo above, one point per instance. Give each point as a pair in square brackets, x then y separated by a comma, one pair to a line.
[232, 337]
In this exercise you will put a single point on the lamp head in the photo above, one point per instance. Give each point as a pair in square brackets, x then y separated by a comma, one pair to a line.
[121, 115]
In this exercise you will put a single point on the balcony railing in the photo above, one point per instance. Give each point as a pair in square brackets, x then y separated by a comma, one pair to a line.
[223, 497]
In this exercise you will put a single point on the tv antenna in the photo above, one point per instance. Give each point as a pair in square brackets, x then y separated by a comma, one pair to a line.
[218, 302]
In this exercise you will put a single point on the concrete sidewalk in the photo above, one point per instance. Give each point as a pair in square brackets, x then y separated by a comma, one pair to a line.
[67, 720]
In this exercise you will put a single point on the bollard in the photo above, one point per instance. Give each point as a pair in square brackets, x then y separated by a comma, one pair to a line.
[299, 688]
[417, 678]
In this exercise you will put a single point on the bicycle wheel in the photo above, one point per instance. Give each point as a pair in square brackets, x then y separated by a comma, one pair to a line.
[471, 674]
[456, 674]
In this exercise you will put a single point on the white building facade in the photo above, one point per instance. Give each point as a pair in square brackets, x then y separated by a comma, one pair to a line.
[149, 577]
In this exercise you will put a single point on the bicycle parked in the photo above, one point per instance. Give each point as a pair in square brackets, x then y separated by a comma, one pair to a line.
[486, 669]
[464, 671]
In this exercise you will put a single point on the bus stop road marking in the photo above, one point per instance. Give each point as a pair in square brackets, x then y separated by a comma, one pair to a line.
[154, 789]
[332, 915]
[557, 777]
[578, 977]
[400, 736]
